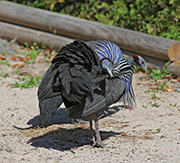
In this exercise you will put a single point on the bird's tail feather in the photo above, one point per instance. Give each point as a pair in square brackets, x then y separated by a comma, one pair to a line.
[48, 108]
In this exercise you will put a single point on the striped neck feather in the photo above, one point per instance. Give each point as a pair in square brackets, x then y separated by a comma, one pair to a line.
[121, 68]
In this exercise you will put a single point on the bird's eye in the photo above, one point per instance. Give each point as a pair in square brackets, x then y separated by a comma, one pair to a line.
[142, 62]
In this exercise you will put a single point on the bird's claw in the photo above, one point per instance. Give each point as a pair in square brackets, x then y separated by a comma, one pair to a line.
[97, 143]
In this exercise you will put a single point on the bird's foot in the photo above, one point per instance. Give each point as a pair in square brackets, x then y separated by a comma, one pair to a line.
[97, 143]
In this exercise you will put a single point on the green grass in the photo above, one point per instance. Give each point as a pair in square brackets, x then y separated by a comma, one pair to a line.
[174, 105]
[33, 51]
[4, 63]
[4, 75]
[157, 74]
[27, 82]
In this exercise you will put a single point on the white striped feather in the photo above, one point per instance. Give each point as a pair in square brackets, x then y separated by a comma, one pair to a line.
[121, 69]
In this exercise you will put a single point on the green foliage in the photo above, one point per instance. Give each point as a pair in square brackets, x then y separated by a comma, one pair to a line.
[158, 130]
[155, 101]
[27, 82]
[157, 17]
[17, 72]
[174, 105]
[4, 63]
[4, 75]
[44, 4]
[157, 74]
[162, 86]
[33, 52]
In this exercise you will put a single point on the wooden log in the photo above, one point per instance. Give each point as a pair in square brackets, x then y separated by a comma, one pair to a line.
[23, 34]
[83, 29]
[174, 52]
[174, 68]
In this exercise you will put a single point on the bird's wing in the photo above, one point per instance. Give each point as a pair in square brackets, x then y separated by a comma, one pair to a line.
[49, 100]
[45, 89]
[77, 66]
[108, 92]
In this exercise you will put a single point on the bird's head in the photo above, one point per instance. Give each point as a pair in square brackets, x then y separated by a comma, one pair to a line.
[107, 66]
[137, 61]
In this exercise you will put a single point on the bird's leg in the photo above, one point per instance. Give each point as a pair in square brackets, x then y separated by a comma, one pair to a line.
[98, 142]
[92, 138]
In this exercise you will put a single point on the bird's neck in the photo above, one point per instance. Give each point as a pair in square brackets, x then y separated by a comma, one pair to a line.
[131, 61]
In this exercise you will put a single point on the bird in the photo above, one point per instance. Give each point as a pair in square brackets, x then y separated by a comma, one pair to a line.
[87, 76]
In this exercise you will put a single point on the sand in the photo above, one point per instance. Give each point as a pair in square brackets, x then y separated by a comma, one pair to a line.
[149, 133]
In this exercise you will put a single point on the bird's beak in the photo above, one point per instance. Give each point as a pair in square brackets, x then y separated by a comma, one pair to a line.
[144, 68]
[110, 72]
[107, 67]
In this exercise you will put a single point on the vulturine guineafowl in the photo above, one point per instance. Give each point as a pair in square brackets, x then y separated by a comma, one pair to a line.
[88, 77]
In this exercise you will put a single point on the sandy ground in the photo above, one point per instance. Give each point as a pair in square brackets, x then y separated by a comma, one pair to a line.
[146, 134]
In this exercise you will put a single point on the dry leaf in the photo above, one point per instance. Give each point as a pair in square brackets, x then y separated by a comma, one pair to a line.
[21, 66]
[178, 79]
[82, 126]
[40, 61]
[124, 125]
[21, 47]
[169, 77]
[20, 59]
[117, 153]
[15, 65]
[77, 156]
[137, 125]
[2, 58]
[26, 59]
[157, 83]
[48, 51]
[13, 58]
[169, 89]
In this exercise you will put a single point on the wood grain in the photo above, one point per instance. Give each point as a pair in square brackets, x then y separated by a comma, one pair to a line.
[174, 52]
[23, 34]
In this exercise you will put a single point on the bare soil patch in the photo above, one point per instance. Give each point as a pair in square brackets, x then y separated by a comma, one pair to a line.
[150, 133]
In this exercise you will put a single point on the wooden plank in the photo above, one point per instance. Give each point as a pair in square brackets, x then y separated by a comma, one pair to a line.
[174, 52]
[23, 34]
[86, 30]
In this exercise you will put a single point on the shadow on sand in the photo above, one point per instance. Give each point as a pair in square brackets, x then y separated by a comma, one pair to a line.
[65, 138]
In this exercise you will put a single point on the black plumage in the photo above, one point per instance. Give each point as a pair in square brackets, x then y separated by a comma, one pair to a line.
[88, 77]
